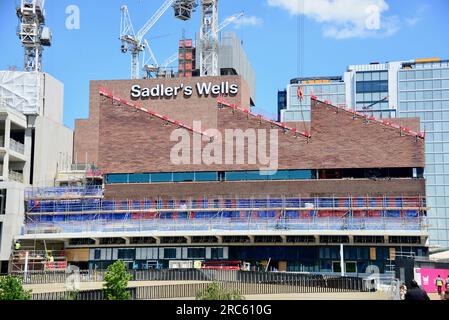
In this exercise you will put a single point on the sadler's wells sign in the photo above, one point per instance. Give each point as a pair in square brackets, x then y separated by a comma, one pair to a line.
[201, 89]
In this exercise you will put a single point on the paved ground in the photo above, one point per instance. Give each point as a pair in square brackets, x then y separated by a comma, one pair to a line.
[311, 296]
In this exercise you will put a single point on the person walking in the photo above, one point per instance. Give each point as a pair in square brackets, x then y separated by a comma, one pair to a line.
[439, 283]
[446, 294]
[402, 291]
[415, 292]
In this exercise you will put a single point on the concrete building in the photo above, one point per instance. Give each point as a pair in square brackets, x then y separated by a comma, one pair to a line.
[400, 90]
[349, 180]
[34, 144]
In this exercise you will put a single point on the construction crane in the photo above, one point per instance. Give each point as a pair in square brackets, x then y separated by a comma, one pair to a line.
[155, 70]
[134, 43]
[33, 33]
[159, 71]
[209, 39]
[208, 42]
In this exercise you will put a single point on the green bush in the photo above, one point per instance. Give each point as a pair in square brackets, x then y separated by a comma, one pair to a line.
[11, 288]
[116, 281]
[215, 292]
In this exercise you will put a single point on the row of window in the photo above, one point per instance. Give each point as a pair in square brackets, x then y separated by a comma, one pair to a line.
[372, 76]
[427, 115]
[209, 176]
[319, 89]
[423, 74]
[424, 84]
[424, 95]
[129, 254]
[372, 86]
[427, 106]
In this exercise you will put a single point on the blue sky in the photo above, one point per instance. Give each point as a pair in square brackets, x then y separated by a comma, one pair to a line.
[336, 34]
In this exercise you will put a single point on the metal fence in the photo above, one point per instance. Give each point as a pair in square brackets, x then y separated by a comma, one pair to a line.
[255, 277]
[245, 283]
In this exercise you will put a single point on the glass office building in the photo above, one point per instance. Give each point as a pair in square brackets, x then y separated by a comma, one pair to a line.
[328, 88]
[424, 92]
[282, 103]
[371, 93]
[404, 89]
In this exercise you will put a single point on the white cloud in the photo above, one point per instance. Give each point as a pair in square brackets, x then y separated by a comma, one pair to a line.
[412, 21]
[344, 19]
[247, 21]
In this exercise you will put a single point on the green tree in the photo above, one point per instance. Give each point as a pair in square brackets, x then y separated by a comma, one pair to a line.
[11, 288]
[215, 292]
[116, 281]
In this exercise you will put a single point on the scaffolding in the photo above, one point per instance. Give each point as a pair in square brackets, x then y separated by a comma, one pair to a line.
[76, 192]
[279, 213]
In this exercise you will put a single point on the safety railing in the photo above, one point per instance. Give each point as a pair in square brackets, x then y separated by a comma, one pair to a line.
[292, 281]
[222, 225]
[342, 204]
[63, 192]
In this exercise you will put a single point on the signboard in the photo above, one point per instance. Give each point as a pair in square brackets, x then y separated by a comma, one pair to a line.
[426, 278]
[201, 89]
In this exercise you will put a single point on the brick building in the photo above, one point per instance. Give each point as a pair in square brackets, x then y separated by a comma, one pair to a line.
[346, 179]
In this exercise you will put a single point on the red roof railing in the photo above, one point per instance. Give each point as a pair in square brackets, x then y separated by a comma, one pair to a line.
[222, 102]
[406, 131]
[107, 93]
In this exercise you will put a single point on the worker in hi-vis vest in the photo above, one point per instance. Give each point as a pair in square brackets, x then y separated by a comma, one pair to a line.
[17, 245]
[439, 283]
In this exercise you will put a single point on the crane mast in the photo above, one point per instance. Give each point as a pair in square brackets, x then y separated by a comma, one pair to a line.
[209, 38]
[33, 33]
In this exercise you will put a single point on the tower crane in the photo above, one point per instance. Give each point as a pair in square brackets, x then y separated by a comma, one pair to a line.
[133, 42]
[208, 42]
[33, 33]
[160, 70]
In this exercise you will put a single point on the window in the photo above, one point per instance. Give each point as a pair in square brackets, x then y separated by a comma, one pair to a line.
[183, 176]
[126, 254]
[410, 75]
[169, 253]
[139, 178]
[196, 253]
[97, 254]
[206, 176]
[2, 201]
[117, 178]
[216, 253]
[161, 177]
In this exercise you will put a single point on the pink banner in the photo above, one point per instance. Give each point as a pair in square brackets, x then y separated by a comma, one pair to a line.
[426, 278]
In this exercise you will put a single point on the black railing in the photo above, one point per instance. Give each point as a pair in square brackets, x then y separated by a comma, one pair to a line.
[245, 282]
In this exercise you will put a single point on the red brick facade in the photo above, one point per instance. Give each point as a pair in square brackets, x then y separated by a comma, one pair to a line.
[121, 139]
[86, 140]
[129, 141]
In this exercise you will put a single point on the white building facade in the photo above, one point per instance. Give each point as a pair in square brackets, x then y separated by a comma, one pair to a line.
[34, 145]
